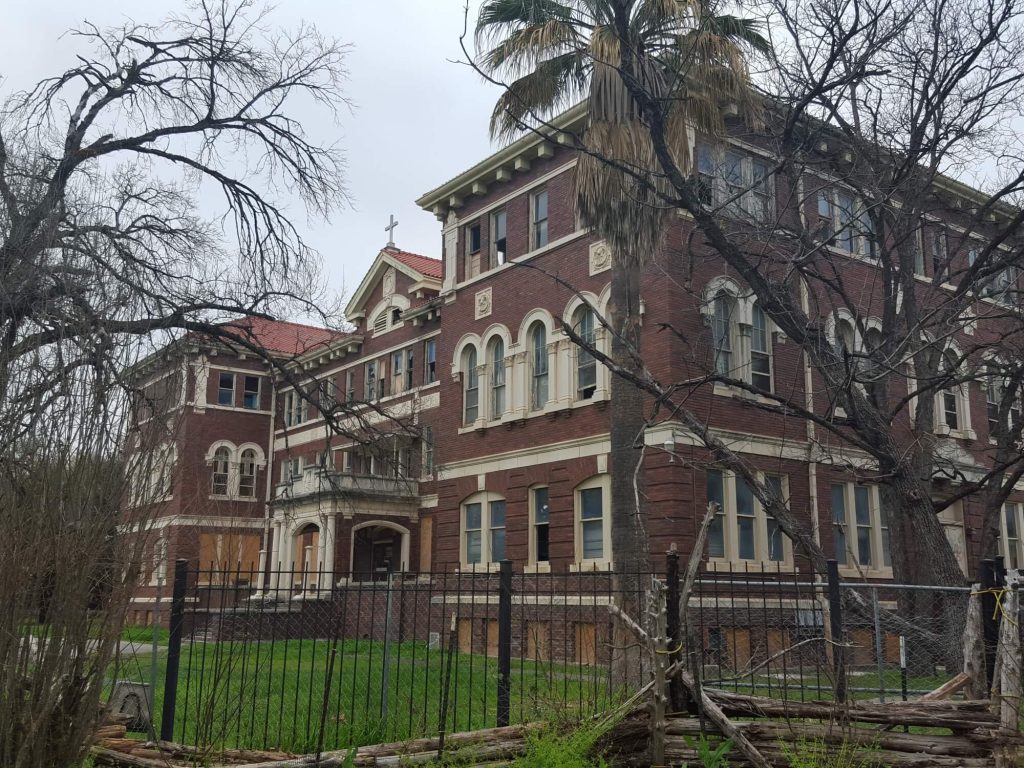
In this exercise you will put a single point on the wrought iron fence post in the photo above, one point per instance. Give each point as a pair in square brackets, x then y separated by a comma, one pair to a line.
[504, 641]
[879, 652]
[386, 671]
[835, 615]
[174, 649]
[672, 624]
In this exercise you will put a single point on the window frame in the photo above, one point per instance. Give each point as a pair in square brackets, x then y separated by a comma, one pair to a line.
[430, 361]
[755, 196]
[539, 380]
[878, 525]
[221, 489]
[242, 474]
[221, 389]
[766, 354]
[498, 392]
[582, 358]
[727, 522]
[534, 544]
[470, 384]
[858, 236]
[1013, 554]
[602, 483]
[488, 504]
[253, 394]
[499, 255]
[540, 235]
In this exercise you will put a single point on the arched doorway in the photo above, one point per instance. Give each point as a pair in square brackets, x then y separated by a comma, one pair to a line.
[379, 548]
[304, 557]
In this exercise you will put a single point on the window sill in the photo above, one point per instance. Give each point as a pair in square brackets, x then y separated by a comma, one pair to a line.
[958, 434]
[725, 390]
[537, 568]
[524, 257]
[227, 497]
[865, 573]
[751, 566]
[590, 566]
[472, 568]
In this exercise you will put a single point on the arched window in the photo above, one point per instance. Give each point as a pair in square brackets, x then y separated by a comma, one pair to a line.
[873, 342]
[221, 465]
[247, 474]
[721, 329]
[471, 386]
[760, 351]
[496, 355]
[539, 353]
[586, 364]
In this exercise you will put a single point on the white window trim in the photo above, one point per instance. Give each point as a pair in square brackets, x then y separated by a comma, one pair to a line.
[761, 562]
[234, 470]
[851, 567]
[534, 246]
[861, 243]
[533, 566]
[605, 561]
[745, 203]
[1004, 540]
[484, 499]
[741, 327]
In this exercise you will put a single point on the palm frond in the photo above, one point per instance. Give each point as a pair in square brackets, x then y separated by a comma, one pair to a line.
[554, 85]
[499, 18]
[525, 48]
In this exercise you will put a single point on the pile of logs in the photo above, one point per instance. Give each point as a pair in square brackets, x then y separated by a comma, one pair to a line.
[872, 730]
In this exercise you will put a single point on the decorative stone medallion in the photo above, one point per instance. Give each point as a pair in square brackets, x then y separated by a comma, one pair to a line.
[483, 303]
[600, 257]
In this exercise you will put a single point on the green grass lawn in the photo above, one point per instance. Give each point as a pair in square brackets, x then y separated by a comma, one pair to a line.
[276, 695]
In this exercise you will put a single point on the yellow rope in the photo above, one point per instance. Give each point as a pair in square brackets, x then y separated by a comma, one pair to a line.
[999, 593]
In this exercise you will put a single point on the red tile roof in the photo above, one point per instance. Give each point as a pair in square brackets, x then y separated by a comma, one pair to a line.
[425, 265]
[281, 337]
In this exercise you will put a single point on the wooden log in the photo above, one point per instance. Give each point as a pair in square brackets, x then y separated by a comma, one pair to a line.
[1009, 666]
[715, 714]
[946, 714]
[102, 756]
[948, 688]
[769, 732]
[974, 647]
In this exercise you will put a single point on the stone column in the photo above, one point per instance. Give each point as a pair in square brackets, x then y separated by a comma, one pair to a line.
[276, 559]
[332, 545]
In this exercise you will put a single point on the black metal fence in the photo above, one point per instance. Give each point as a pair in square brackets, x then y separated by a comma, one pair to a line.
[301, 667]
[302, 664]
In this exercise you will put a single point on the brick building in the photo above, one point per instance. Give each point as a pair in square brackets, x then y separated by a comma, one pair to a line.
[475, 430]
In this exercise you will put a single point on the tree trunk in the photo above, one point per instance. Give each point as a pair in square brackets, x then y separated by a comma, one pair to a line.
[630, 546]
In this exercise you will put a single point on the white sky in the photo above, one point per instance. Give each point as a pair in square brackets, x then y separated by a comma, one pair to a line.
[419, 118]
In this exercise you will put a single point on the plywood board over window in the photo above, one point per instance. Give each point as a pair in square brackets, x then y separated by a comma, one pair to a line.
[538, 640]
[233, 557]
[586, 644]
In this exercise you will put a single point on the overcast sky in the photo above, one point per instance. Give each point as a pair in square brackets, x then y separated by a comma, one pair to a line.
[418, 118]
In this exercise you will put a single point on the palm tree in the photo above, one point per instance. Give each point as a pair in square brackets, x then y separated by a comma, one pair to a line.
[690, 61]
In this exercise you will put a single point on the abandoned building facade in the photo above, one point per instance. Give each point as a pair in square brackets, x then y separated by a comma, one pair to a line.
[455, 424]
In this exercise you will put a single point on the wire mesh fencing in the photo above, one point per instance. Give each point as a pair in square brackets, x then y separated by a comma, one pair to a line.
[785, 633]
[304, 662]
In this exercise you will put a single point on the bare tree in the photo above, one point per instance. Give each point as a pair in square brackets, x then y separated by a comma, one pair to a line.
[888, 101]
[105, 249]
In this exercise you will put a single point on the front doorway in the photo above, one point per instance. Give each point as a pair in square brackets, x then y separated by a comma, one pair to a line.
[377, 550]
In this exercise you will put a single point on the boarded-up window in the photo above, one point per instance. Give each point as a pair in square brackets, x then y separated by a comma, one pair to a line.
[492, 637]
[538, 640]
[227, 558]
[586, 644]
[465, 635]
[426, 543]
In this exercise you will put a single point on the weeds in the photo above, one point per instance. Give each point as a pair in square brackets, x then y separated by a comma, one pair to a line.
[710, 755]
[816, 753]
